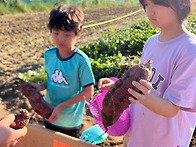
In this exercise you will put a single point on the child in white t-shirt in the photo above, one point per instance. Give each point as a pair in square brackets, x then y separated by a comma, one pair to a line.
[164, 114]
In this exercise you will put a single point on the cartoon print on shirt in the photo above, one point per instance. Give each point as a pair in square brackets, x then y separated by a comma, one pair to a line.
[158, 81]
[58, 77]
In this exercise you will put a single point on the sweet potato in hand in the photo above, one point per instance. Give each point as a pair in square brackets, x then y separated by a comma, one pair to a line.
[36, 100]
[21, 119]
[116, 99]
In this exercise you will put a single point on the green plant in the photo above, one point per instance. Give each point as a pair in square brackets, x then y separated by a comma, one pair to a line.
[192, 23]
[37, 76]
[19, 6]
[112, 66]
[129, 41]
[114, 52]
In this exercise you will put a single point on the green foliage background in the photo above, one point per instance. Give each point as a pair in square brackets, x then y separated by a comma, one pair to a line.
[115, 51]
[18, 6]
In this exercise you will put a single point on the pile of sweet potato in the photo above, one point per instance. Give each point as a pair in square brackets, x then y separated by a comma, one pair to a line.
[116, 99]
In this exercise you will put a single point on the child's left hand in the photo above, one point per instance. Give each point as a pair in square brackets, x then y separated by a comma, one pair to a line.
[55, 114]
[144, 86]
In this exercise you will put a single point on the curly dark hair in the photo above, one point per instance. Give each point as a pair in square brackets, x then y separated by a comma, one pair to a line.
[182, 7]
[67, 18]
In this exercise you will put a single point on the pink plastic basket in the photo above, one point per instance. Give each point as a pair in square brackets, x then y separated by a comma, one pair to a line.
[117, 129]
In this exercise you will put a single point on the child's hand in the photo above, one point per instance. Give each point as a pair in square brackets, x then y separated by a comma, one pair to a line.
[55, 114]
[144, 87]
[105, 84]
[8, 135]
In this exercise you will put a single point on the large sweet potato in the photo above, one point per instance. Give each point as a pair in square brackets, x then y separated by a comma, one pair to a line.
[21, 119]
[116, 99]
[36, 100]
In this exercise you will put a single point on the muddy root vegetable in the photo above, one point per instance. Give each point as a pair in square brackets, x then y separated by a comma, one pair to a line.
[21, 119]
[39, 105]
[116, 99]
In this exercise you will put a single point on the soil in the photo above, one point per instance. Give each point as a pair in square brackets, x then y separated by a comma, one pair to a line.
[23, 40]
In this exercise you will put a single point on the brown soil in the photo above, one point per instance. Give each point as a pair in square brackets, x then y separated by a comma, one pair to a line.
[23, 40]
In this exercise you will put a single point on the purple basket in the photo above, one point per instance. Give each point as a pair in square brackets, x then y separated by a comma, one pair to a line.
[95, 106]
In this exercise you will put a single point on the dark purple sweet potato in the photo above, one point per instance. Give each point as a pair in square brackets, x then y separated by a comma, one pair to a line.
[116, 99]
[21, 119]
[36, 100]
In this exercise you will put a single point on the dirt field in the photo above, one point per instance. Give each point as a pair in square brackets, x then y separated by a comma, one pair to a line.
[23, 40]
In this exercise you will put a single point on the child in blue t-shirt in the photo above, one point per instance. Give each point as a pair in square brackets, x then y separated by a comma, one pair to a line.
[69, 73]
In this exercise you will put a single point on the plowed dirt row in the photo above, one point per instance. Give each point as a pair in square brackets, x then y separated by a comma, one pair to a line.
[23, 40]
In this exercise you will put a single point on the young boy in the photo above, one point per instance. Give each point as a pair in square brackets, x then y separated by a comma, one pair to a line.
[69, 73]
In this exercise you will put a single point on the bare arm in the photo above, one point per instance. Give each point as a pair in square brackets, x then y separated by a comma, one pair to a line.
[154, 103]
[87, 92]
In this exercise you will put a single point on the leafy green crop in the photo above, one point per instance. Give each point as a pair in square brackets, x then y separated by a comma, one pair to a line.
[112, 66]
[129, 41]
[112, 53]
[192, 24]
[37, 76]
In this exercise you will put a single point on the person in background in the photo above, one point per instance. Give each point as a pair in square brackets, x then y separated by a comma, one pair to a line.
[164, 114]
[69, 74]
[8, 135]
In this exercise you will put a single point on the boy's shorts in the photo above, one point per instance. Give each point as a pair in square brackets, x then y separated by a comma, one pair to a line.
[74, 132]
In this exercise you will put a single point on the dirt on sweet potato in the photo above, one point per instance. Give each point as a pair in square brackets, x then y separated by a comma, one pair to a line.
[116, 99]
[21, 119]
[36, 100]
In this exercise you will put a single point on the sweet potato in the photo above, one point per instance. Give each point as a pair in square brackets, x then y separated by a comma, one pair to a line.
[36, 100]
[116, 99]
[21, 119]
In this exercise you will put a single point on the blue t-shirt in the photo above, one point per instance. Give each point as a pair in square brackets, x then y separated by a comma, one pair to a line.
[65, 79]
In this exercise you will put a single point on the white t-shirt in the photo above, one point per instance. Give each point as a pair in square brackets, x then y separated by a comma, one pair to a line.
[174, 78]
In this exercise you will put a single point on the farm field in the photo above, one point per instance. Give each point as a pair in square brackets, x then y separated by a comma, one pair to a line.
[23, 40]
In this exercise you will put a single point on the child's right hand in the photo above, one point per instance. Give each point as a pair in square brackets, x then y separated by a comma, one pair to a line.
[56, 113]
[105, 84]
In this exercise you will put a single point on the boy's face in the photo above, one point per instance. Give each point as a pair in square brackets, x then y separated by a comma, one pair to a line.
[64, 40]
